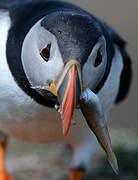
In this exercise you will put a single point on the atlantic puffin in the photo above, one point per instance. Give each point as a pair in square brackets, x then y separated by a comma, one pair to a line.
[43, 42]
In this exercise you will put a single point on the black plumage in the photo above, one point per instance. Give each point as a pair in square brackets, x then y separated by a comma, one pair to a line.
[126, 75]
[76, 33]
[25, 14]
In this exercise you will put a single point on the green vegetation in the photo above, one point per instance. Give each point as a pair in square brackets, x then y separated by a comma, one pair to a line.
[128, 166]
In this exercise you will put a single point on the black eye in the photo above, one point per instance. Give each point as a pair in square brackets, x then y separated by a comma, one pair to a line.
[98, 59]
[45, 53]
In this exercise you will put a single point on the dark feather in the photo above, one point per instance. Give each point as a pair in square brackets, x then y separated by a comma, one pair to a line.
[5, 4]
[126, 76]
[24, 14]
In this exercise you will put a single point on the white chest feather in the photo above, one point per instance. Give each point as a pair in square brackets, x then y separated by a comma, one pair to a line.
[21, 117]
[11, 95]
[16, 108]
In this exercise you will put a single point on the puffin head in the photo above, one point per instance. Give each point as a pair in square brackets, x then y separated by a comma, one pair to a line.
[63, 53]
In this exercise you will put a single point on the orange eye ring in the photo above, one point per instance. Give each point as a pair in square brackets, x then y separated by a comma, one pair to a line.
[45, 53]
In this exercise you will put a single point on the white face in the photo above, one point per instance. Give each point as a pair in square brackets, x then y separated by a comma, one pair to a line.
[94, 68]
[39, 71]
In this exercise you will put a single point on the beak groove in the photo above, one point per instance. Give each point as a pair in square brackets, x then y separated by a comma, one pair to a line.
[69, 88]
[68, 103]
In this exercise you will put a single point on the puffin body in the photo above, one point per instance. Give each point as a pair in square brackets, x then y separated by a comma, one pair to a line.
[30, 29]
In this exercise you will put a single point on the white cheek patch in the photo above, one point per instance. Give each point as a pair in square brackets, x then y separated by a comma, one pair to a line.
[93, 75]
[38, 71]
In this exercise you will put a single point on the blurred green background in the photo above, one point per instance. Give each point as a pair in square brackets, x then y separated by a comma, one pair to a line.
[50, 162]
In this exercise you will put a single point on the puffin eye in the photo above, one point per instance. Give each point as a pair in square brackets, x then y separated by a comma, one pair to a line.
[98, 59]
[45, 53]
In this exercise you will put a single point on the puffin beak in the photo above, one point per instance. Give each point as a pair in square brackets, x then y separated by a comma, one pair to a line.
[69, 88]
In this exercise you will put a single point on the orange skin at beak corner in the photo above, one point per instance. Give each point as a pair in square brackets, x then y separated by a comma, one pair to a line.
[69, 100]
[68, 103]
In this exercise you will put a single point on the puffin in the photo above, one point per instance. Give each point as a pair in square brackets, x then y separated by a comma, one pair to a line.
[62, 70]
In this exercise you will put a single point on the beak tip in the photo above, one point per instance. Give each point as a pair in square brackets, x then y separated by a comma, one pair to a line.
[65, 132]
[67, 92]
[66, 128]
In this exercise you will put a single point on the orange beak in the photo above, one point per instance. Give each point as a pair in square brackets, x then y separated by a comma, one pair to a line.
[68, 89]
[69, 102]
[69, 94]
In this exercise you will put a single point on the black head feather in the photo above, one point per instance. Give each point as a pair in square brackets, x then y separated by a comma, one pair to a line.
[76, 33]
